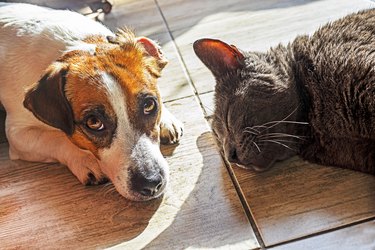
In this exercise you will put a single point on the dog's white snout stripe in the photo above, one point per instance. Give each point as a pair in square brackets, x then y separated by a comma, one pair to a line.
[129, 148]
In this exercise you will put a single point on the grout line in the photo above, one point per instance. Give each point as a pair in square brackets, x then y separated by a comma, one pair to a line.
[323, 232]
[180, 59]
[243, 201]
[179, 98]
[209, 91]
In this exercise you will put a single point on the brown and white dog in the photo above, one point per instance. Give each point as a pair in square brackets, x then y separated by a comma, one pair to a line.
[78, 94]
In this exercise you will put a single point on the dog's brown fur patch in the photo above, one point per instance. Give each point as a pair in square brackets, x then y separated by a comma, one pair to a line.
[130, 65]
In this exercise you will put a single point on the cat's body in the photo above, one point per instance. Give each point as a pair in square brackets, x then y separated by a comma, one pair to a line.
[314, 97]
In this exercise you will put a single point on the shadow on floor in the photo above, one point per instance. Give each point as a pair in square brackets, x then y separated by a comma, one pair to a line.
[72, 216]
[188, 221]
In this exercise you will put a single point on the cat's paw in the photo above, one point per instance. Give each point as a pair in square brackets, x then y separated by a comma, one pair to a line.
[171, 129]
[87, 170]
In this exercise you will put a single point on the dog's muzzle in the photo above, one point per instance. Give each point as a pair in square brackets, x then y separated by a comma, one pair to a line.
[148, 170]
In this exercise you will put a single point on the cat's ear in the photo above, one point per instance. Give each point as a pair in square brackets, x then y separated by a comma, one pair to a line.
[218, 56]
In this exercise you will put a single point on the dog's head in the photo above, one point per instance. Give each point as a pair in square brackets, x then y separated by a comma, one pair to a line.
[105, 98]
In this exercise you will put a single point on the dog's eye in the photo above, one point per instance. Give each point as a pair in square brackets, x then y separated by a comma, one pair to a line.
[94, 123]
[149, 106]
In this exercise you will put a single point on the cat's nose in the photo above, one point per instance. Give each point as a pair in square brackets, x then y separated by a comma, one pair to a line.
[230, 152]
[232, 155]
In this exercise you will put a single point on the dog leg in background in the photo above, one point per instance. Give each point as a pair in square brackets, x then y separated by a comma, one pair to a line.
[171, 129]
[25, 143]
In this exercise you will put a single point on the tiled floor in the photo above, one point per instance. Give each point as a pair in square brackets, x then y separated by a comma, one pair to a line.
[296, 205]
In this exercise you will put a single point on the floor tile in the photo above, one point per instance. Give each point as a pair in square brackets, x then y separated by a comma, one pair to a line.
[297, 198]
[355, 237]
[44, 205]
[250, 25]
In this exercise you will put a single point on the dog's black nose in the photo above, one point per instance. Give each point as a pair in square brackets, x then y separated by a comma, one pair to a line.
[151, 187]
[147, 186]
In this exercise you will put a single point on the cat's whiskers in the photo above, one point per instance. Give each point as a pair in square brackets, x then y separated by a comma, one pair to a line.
[284, 120]
[255, 130]
[282, 140]
[258, 136]
[281, 135]
[252, 129]
[279, 143]
[248, 141]
[259, 126]
[277, 138]
[250, 132]
[256, 145]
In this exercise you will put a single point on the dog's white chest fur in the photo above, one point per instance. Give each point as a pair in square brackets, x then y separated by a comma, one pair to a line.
[41, 37]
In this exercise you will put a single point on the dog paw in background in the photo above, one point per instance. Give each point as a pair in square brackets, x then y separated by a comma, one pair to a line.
[171, 129]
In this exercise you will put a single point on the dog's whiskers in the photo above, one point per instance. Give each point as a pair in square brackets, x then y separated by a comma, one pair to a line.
[108, 189]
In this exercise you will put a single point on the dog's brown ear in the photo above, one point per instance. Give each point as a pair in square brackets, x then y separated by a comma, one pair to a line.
[47, 101]
[154, 50]
[125, 37]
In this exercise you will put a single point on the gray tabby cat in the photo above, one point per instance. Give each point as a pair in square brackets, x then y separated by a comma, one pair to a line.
[314, 97]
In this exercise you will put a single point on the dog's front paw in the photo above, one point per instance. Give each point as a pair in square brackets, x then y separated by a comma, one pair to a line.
[86, 168]
[95, 180]
[171, 129]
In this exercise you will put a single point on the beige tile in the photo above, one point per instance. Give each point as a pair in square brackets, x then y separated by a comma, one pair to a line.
[297, 198]
[140, 15]
[254, 25]
[355, 237]
[44, 205]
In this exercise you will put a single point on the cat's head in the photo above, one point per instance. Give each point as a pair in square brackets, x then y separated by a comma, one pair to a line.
[255, 109]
